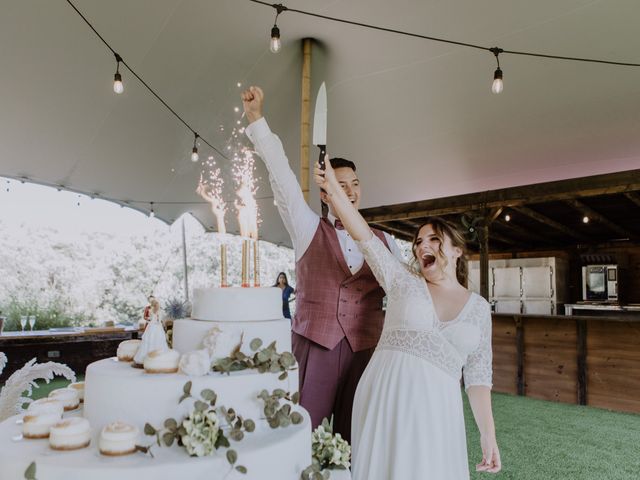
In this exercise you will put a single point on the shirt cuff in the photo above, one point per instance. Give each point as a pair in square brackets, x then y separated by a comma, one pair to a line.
[258, 130]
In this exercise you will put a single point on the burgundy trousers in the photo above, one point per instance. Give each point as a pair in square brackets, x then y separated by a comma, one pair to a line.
[328, 380]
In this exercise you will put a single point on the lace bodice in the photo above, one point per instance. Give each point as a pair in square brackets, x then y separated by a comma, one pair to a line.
[412, 325]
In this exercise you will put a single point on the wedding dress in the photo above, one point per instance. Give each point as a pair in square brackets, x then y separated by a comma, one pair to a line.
[407, 415]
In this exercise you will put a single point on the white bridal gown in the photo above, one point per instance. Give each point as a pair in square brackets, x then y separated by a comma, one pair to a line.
[407, 415]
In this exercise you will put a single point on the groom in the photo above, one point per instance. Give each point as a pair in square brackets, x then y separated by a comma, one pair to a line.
[339, 315]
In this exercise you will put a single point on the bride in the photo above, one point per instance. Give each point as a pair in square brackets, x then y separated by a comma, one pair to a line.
[407, 416]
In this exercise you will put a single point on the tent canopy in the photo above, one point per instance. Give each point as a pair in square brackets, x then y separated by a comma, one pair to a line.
[417, 117]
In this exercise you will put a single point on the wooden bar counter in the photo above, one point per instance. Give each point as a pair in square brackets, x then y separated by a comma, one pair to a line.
[77, 349]
[585, 360]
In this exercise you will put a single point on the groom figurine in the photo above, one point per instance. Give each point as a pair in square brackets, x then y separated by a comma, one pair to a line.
[339, 316]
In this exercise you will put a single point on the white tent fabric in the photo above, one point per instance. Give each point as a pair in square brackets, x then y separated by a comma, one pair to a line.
[417, 117]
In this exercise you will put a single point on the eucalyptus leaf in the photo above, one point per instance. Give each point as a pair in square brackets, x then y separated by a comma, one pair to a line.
[232, 456]
[236, 435]
[200, 406]
[171, 424]
[168, 439]
[284, 421]
[255, 344]
[187, 388]
[283, 376]
[249, 425]
[279, 393]
[221, 441]
[295, 398]
[149, 430]
[30, 472]
[273, 422]
[296, 418]
[241, 469]
[208, 395]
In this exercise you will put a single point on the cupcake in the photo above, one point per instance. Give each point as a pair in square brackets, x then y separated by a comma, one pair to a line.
[79, 387]
[127, 350]
[70, 434]
[40, 417]
[162, 361]
[118, 438]
[69, 397]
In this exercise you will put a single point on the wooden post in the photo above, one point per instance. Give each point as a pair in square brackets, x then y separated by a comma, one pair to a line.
[581, 326]
[520, 354]
[483, 240]
[305, 117]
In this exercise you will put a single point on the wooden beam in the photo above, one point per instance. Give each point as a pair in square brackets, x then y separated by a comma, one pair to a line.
[593, 215]
[634, 197]
[552, 223]
[305, 117]
[529, 235]
[493, 235]
[619, 182]
[386, 226]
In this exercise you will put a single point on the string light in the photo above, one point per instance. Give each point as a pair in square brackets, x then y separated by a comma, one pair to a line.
[194, 152]
[585, 219]
[275, 43]
[507, 218]
[497, 85]
[118, 86]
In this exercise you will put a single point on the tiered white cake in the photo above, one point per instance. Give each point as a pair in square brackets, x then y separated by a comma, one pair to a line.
[116, 392]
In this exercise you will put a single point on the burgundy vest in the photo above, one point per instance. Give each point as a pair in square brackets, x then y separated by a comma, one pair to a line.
[331, 303]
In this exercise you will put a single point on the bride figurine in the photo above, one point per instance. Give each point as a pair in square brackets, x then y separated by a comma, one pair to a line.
[154, 337]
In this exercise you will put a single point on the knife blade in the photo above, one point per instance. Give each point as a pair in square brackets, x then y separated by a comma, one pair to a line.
[320, 123]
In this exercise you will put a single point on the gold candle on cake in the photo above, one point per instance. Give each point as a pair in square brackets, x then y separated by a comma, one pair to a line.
[245, 262]
[256, 263]
[223, 265]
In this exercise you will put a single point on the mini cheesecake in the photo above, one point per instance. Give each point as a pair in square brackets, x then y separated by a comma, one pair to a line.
[118, 438]
[162, 361]
[128, 349]
[70, 434]
[79, 387]
[69, 397]
[40, 417]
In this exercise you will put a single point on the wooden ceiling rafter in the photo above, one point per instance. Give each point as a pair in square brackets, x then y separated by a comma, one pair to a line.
[598, 217]
[550, 222]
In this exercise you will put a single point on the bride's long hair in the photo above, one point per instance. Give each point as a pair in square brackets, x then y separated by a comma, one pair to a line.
[442, 229]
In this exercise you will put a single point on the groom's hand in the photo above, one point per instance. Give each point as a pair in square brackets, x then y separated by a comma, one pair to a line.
[252, 101]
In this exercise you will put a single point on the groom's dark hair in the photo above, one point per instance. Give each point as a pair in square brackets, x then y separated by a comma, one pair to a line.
[336, 162]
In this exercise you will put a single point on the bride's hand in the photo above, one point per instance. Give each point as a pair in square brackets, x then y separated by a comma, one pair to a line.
[490, 455]
[325, 179]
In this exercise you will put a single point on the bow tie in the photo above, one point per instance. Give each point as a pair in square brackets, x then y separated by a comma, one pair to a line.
[338, 224]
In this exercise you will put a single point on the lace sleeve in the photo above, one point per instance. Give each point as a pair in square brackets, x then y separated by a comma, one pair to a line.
[478, 368]
[387, 269]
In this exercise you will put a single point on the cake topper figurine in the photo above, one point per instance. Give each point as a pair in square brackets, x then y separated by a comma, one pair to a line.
[154, 337]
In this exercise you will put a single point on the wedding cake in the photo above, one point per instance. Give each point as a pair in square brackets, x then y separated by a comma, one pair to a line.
[241, 332]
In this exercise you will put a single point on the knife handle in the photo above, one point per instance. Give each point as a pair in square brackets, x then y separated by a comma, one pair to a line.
[323, 152]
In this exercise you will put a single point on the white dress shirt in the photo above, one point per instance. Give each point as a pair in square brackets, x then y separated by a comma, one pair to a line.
[299, 219]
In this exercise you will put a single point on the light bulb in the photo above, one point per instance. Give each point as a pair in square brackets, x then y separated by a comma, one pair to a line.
[585, 219]
[507, 218]
[497, 81]
[194, 154]
[275, 43]
[118, 86]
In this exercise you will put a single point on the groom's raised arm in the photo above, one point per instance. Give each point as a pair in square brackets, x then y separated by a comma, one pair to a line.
[300, 221]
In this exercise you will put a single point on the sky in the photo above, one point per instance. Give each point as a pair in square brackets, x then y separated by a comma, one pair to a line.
[69, 212]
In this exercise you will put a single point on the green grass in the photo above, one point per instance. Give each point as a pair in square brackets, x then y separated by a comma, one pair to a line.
[541, 440]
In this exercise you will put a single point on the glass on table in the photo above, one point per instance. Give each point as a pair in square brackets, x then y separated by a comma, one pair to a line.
[23, 322]
[32, 322]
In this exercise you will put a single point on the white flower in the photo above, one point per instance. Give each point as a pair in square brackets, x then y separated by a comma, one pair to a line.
[220, 343]
[196, 363]
[202, 429]
[331, 451]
